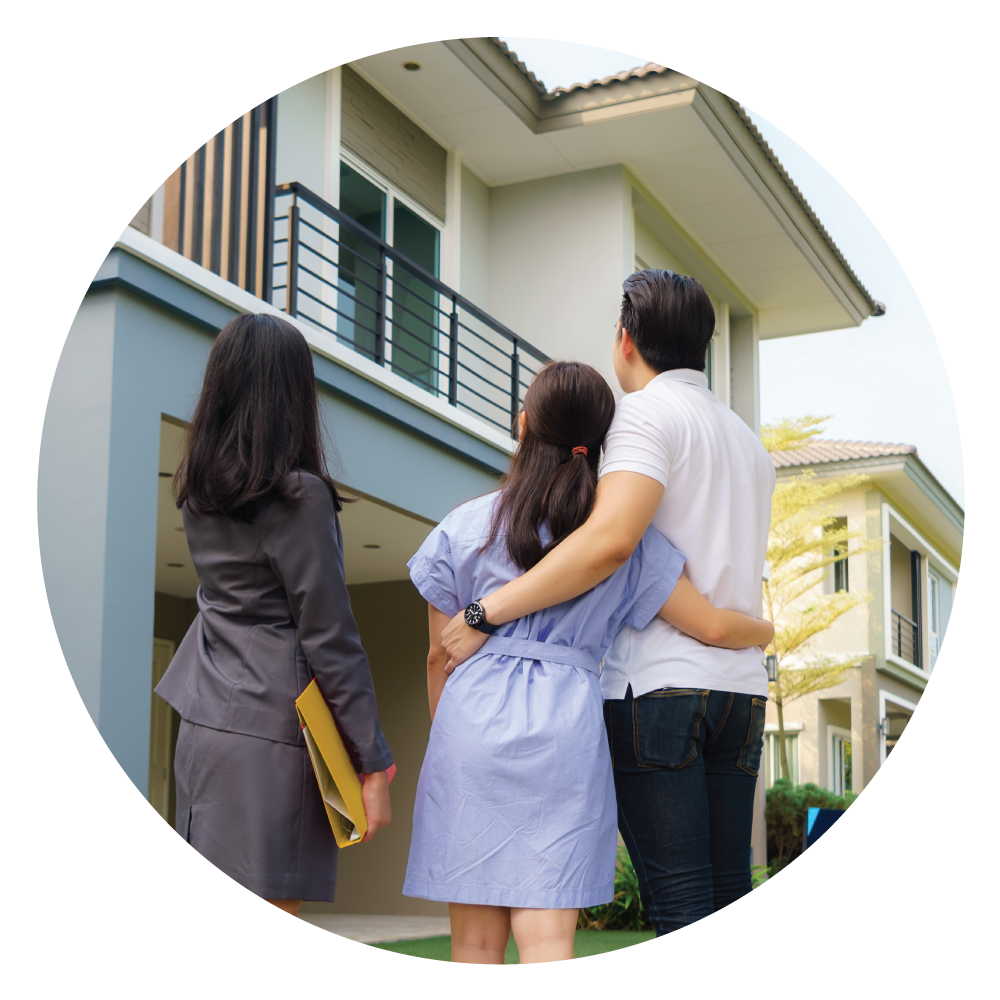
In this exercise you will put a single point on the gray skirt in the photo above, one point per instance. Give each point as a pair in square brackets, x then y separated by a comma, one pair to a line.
[252, 807]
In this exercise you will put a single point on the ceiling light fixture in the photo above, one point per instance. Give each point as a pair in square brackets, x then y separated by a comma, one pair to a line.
[176, 565]
[166, 475]
[370, 546]
[411, 66]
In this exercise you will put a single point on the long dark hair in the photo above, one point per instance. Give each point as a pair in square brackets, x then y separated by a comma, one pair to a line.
[256, 421]
[568, 405]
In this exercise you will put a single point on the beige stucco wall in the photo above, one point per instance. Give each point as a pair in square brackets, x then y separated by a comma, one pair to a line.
[835, 706]
[850, 633]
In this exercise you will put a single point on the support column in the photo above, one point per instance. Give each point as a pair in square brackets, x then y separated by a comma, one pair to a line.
[331, 166]
[451, 235]
[758, 835]
[744, 353]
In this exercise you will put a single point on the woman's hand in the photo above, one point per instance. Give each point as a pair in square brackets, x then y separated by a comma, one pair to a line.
[460, 641]
[375, 797]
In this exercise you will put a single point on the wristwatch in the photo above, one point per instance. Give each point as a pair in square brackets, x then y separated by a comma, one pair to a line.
[475, 617]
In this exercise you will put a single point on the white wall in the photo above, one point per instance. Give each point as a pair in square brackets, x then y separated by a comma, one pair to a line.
[559, 251]
[650, 252]
[302, 134]
[475, 250]
[744, 354]
[653, 253]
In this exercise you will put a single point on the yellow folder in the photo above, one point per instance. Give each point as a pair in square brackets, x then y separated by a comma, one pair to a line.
[339, 783]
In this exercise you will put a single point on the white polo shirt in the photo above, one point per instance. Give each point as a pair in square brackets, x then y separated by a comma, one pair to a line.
[716, 509]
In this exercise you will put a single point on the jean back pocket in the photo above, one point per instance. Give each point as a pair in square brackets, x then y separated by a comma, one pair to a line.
[749, 759]
[666, 726]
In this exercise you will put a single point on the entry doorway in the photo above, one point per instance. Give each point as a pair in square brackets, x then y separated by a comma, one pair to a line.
[160, 733]
[895, 714]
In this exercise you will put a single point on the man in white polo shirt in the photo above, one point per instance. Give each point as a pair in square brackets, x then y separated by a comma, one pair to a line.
[685, 721]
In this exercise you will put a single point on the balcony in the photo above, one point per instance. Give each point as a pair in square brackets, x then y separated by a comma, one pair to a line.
[905, 638]
[332, 272]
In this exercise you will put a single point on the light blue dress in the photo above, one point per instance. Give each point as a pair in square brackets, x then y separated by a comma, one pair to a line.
[516, 800]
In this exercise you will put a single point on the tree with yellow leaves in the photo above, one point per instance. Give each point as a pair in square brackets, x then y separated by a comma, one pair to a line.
[804, 541]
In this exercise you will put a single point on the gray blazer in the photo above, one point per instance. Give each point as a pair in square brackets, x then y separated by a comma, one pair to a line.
[274, 613]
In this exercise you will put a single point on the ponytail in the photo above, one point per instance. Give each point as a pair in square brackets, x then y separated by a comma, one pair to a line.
[553, 477]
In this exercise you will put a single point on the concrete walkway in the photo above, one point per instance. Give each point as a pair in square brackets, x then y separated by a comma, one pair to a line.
[371, 928]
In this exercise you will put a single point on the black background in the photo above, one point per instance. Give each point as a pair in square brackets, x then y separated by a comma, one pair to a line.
[102, 107]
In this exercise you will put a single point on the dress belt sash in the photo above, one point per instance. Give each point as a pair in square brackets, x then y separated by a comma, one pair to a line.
[546, 652]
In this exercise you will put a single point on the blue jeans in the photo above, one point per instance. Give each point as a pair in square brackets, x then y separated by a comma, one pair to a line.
[686, 765]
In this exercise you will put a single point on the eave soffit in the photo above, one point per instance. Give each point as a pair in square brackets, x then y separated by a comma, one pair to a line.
[727, 120]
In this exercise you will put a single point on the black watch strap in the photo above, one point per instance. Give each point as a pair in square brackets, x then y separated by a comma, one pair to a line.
[475, 617]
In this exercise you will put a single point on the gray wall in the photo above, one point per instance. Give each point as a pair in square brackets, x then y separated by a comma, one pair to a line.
[73, 488]
[126, 363]
[400, 150]
[98, 481]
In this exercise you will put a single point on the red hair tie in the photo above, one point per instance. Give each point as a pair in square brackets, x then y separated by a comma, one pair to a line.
[580, 450]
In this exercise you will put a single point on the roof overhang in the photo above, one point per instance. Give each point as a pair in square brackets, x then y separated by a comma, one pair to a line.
[909, 485]
[698, 161]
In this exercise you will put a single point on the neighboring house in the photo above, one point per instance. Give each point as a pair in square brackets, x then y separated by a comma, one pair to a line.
[839, 738]
[437, 225]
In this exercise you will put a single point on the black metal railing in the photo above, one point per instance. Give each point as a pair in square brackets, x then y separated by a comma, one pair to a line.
[905, 638]
[332, 271]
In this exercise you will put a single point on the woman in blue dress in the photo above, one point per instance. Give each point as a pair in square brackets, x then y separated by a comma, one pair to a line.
[515, 821]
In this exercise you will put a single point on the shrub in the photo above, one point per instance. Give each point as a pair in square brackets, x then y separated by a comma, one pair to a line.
[625, 912]
[785, 813]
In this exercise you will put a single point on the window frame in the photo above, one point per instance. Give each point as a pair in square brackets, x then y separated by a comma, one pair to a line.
[834, 733]
[771, 759]
[909, 536]
[884, 697]
[392, 195]
[392, 192]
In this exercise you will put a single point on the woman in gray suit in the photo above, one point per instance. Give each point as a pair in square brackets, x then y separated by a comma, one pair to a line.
[260, 513]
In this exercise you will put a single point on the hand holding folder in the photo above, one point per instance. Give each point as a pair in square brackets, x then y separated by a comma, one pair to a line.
[339, 783]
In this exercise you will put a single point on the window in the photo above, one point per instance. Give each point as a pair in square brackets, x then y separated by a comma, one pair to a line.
[840, 760]
[939, 596]
[710, 365]
[839, 577]
[412, 313]
[772, 757]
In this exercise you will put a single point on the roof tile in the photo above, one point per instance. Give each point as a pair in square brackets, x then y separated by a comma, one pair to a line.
[823, 452]
[628, 74]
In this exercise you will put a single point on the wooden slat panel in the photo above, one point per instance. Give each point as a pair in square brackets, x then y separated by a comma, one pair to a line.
[241, 274]
[226, 207]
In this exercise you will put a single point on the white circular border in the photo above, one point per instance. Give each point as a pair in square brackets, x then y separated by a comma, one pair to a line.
[26, 480]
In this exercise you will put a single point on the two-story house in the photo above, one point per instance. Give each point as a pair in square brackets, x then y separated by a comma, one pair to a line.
[838, 738]
[437, 224]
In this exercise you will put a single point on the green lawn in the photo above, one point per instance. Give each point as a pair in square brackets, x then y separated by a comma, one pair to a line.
[587, 943]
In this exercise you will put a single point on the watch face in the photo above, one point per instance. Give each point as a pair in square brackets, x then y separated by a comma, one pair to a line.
[474, 614]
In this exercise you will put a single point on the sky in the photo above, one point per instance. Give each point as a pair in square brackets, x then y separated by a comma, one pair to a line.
[882, 381]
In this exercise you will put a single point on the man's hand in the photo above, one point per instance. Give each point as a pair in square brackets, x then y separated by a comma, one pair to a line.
[764, 645]
[460, 641]
[375, 798]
